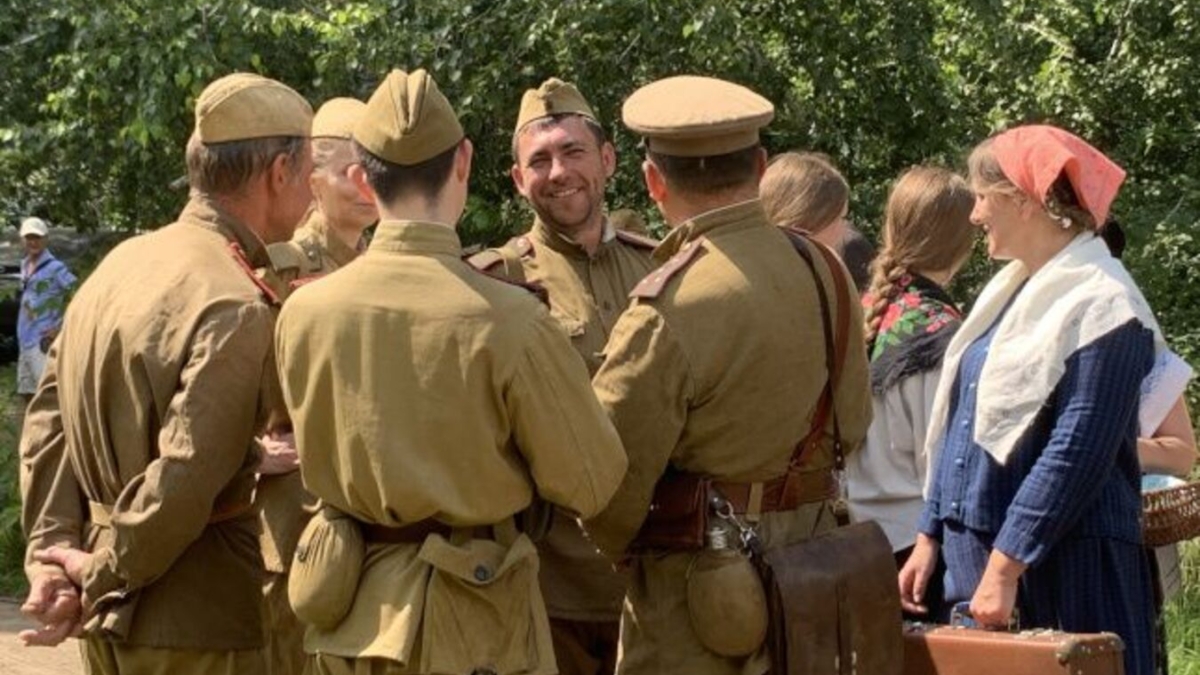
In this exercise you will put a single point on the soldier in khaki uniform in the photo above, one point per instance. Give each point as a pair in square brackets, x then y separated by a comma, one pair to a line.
[718, 365]
[430, 404]
[138, 453]
[330, 237]
[332, 232]
[588, 267]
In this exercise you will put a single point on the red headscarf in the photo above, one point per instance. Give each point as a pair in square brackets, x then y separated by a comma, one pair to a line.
[1034, 156]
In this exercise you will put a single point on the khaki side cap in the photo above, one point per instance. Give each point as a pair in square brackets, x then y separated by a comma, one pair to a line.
[693, 116]
[553, 97]
[336, 118]
[244, 106]
[407, 120]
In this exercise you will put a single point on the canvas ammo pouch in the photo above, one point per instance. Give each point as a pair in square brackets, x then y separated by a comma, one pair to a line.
[483, 608]
[326, 568]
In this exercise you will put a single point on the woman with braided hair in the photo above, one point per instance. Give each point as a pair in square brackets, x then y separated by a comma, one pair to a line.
[927, 236]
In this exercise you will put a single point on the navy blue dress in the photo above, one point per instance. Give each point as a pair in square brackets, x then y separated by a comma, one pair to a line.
[1067, 502]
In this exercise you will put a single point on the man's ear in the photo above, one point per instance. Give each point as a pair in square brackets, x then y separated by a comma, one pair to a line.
[760, 162]
[656, 183]
[518, 179]
[462, 160]
[358, 176]
[608, 156]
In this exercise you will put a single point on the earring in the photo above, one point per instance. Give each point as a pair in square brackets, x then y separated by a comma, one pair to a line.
[1065, 222]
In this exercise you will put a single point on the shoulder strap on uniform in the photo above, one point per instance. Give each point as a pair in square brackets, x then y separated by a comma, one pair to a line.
[653, 284]
[537, 290]
[636, 240]
[835, 347]
[239, 256]
[485, 260]
[286, 255]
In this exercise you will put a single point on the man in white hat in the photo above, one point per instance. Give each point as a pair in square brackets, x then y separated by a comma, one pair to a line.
[45, 284]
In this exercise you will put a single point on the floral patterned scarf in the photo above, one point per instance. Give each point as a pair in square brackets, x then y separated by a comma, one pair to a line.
[914, 333]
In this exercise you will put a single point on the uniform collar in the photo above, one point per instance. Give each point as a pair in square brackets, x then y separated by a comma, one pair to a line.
[202, 211]
[739, 216]
[316, 228]
[416, 236]
[543, 234]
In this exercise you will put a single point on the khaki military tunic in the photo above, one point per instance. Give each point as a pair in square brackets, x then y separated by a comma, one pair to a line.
[139, 445]
[719, 374]
[422, 389]
[285, 507]
[314, 251]
[587, 294]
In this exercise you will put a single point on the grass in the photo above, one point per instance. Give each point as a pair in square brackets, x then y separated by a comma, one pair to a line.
[12, 543]
[1183, 616]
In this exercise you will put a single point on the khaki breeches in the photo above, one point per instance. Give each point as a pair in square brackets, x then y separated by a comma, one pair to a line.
[283, 632]
[101, 657]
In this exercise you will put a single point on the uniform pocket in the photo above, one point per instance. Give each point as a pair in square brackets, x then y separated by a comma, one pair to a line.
[483, 610]
[326, 569]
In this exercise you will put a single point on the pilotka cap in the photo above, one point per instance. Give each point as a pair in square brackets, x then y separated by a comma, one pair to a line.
[244, 106]
[407, 120]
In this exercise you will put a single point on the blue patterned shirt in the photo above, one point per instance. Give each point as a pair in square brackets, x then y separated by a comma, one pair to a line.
[43, 298]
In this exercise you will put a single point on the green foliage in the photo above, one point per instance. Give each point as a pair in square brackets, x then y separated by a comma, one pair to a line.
[12, 543]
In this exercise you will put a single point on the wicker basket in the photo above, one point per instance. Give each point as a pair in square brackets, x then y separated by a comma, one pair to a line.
[1171, 515]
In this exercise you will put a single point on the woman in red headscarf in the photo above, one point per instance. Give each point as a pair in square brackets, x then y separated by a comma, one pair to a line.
[1033, 499]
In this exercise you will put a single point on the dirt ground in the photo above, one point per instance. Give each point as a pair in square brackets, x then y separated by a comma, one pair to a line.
[16, 659]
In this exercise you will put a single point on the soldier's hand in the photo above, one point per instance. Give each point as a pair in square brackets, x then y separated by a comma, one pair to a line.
[279, 454]
[53, 604]
[73, 561]
[914, 576]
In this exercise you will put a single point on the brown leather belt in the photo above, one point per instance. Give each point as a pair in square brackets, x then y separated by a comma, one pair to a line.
[417, 532]
[781, 494]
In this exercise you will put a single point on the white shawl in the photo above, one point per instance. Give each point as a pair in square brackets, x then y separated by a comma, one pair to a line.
[1081, 294]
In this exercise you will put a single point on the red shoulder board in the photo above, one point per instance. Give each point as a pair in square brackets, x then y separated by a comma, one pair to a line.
[523, 245]
[297, 283]
[653, 284]
[636, 240]
[239, 255]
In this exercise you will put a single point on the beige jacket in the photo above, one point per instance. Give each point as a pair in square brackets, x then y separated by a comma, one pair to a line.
[420, 388]
[718, 373]
[587, 295]
[154, 393]
[284, 505]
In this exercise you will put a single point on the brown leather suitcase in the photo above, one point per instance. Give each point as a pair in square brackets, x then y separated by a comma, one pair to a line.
[951, 650]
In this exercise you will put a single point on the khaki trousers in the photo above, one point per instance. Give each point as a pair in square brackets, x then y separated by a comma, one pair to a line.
[101, 657]
[283, 634]
[585, 647]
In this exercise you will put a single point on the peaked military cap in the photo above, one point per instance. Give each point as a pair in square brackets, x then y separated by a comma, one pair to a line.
[407, 120]
[244, 106]
[554, 97]
[691, 116]
[336, 118]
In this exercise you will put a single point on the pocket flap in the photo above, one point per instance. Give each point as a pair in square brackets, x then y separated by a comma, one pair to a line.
[478, 562]
[573, 326]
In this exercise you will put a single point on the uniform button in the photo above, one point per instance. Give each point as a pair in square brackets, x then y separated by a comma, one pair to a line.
[482, 573]
[483, 671]
[606, 305]
[971, 386]
[954, 506]
[966, 423]
[959, 461]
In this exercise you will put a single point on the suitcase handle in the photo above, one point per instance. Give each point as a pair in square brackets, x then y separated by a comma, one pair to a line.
[960, 617]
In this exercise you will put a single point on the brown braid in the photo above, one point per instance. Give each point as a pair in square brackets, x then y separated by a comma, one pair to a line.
[926, 229]
[886, 274]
